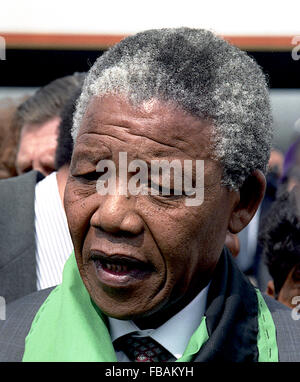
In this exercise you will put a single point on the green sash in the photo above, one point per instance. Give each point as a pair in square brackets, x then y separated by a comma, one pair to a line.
[70, 328]
[67, 327]
[266, 341]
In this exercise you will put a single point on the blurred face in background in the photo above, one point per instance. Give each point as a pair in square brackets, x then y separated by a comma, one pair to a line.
[37, 147]
[291, 287]
[276, 162]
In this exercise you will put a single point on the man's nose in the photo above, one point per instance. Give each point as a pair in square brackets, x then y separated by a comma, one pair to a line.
[116, 214]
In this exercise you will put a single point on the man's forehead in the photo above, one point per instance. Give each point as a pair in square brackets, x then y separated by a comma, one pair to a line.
[94, 145]
[50, 126]
[162, 127]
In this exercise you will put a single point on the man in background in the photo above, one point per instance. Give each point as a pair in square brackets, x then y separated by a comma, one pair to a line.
[9, 136]
[33, 222]
[39, 117]
[280, 241]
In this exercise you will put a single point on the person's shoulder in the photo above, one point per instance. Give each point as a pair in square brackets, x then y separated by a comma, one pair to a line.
[28, 179]
[15, 323]
[16, 223]
[287, 330]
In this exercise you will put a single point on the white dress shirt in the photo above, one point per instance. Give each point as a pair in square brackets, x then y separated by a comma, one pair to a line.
[173, 335]
[53, 240]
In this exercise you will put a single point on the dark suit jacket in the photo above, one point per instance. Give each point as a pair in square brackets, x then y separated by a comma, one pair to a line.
[17, 238]
[20, 314]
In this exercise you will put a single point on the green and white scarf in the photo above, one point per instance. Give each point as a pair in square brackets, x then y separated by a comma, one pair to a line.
[237, 325]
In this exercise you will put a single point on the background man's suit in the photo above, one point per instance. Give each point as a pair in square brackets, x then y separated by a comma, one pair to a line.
[17, 238]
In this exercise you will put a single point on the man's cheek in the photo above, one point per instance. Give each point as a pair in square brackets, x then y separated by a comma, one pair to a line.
[75, 221]
[79, 192]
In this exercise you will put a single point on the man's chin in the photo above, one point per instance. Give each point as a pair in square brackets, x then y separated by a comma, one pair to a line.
[144, 312]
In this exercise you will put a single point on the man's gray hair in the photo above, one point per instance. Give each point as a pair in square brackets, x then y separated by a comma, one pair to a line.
[203, 74]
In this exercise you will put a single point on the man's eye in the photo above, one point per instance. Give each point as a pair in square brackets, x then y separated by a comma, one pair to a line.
[90, 177]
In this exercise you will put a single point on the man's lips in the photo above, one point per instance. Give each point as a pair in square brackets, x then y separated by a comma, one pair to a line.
[119, 269]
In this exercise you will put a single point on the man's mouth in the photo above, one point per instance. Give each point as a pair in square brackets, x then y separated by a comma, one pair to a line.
[115, 268]
[119, 270]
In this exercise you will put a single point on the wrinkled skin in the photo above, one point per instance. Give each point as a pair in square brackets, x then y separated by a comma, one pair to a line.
[178, 245]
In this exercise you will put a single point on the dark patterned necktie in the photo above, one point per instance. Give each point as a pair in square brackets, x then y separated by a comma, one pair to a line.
[143, 349]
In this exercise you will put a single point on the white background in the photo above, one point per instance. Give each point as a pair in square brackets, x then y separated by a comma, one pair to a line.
[228, 17]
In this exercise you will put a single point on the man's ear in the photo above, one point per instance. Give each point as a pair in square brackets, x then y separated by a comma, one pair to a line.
[270, 289]
[250, 196]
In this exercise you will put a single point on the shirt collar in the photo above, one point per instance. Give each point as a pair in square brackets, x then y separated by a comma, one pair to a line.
[184, 322]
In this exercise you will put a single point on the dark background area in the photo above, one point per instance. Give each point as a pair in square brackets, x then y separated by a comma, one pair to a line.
[37, 67]
[34, 68]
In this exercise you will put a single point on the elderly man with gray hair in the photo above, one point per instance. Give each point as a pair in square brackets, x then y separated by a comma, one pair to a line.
[150, 278]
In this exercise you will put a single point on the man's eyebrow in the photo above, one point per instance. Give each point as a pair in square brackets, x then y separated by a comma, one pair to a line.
[93, 155]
